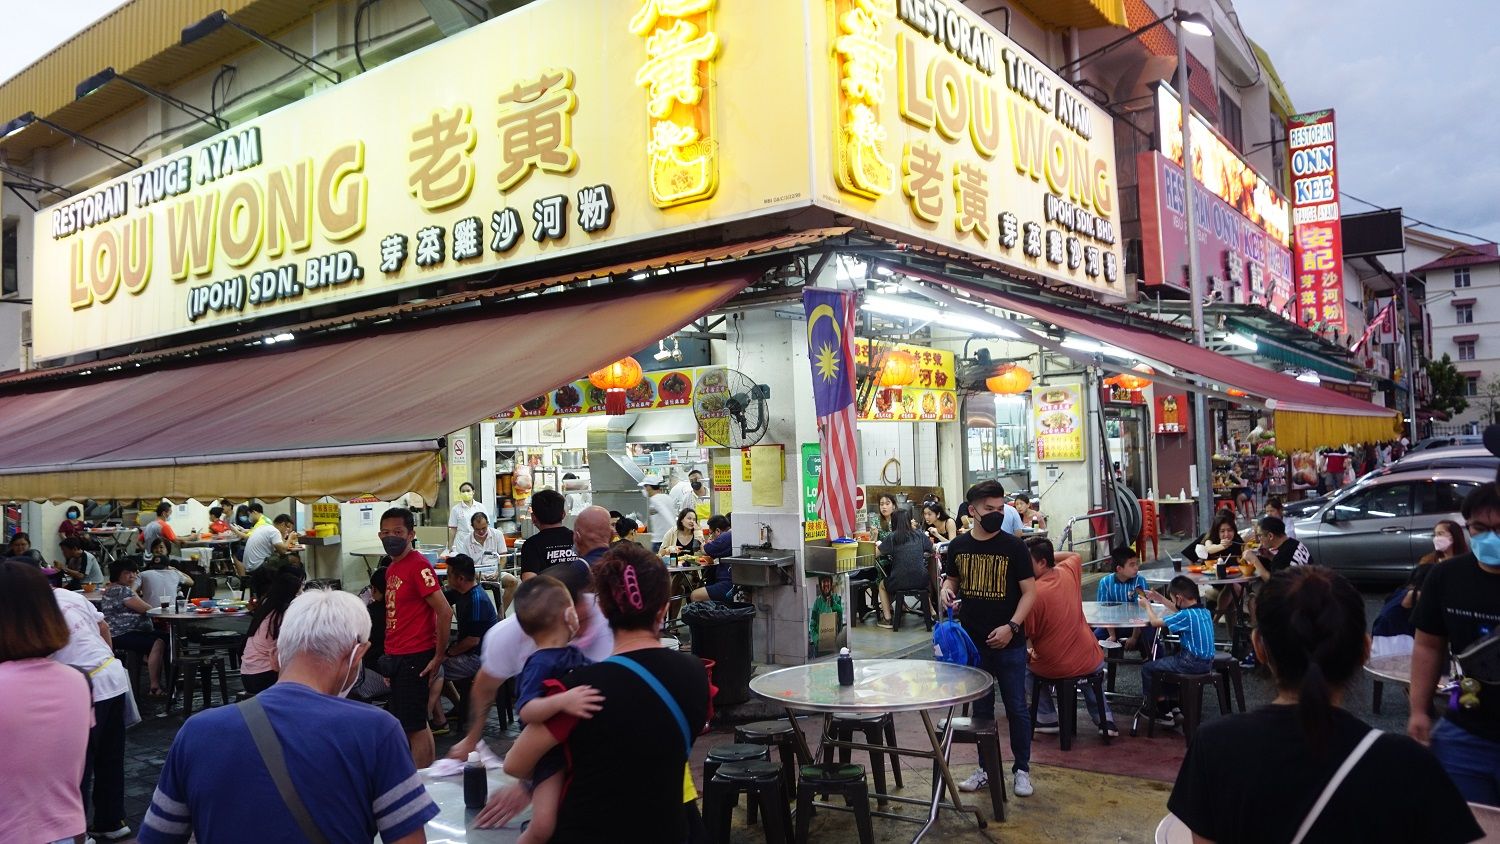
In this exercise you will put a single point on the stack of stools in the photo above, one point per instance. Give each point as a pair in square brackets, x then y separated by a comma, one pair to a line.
[835, 778]
[1150, 529]
[779, 734]
[1190, 688]
[1067, 704]
[760, 780]
[879, 728]
[729, 753]
[984, 734]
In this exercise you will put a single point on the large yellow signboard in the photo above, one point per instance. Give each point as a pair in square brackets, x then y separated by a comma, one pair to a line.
[936, 125]
[572, 126]
[561, 127]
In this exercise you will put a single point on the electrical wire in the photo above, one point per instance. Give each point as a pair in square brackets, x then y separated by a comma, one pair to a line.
[1416, 222]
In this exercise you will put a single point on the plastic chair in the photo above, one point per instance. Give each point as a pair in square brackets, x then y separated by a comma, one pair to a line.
[1067, 704]
[899, 607]
[1172, 830]
[879, 728]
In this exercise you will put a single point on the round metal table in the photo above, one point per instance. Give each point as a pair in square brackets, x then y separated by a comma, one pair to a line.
[1394, 668]
[1205, 578]
[1115, 614]
[884, 685]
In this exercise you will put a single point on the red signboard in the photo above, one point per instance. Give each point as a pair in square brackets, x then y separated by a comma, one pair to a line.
[1172, 412]
[1239, 259]
[1318, 254]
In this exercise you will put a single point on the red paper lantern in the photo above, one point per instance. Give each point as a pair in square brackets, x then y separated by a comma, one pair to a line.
[899, 369]
[614, 380]
[1009, 380]
[1126, 381]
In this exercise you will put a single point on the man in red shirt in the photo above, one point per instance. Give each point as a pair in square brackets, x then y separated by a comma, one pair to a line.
[1063, 645]
[417, 617]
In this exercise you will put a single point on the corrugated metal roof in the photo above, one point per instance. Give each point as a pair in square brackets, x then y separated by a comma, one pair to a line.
[711, 254]
[1465, 256]
[140, 39]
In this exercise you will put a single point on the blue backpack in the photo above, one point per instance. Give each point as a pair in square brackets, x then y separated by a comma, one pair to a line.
[951, 643]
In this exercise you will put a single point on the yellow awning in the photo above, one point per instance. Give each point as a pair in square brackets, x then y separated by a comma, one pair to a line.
[1281, 101]
[1300, 431]
[384, 475]
[1084, 14]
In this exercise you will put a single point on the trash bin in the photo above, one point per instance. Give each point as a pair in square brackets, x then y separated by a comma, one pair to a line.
[722, 633]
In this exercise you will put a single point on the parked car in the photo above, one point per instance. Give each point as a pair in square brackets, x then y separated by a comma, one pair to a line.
[1454, 457]
[1447, 442]
[1379, 527]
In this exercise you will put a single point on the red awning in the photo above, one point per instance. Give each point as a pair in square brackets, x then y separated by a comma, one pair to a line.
[394, 391]
[1225, 371]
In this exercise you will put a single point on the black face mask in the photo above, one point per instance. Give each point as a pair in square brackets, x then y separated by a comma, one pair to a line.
[697, 485]
[993, 521]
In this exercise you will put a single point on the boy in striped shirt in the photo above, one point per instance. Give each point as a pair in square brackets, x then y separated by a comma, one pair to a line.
[1194, 626]
[1119, 588]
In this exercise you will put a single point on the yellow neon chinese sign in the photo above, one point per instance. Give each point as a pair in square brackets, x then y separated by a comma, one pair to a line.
[681, 46]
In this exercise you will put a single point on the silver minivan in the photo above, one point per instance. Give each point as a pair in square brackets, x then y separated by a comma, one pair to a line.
[1379, 527]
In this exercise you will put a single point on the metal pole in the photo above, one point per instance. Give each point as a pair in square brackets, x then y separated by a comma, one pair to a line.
[1203, 438]
[1409, 357]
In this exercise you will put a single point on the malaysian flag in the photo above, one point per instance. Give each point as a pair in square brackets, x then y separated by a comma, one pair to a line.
[1384, 322]
[830, 349]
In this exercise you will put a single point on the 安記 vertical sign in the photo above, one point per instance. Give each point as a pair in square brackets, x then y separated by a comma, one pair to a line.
[1318, 260]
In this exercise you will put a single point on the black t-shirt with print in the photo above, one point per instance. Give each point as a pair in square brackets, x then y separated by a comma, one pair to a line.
[1460, 601]
[547, 547]
[1289, 553]
[625, 764]
[989, 574]
[1253, 778]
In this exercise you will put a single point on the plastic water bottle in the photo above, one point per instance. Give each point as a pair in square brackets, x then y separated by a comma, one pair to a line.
[476, 782]
[846, 668]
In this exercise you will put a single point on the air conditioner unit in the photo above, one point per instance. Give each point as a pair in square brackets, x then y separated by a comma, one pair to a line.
[26, 328]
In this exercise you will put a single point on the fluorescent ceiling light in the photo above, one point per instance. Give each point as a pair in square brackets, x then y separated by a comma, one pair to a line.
[1234, 338]
[1310, 377]
[908, 309]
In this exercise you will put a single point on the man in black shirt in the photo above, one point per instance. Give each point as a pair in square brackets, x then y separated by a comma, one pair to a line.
[989, 570]
[1458, 606]
[1278, 551]
[552, 543]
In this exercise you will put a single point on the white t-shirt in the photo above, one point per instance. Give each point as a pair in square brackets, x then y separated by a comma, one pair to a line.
[458, 517]
[683, 497]
[86, 649]
[506, 647]
[476, 549]
[663, 517]
[157, 585]
[260, 545]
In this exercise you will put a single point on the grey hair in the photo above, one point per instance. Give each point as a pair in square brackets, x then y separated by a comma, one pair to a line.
[322, 624]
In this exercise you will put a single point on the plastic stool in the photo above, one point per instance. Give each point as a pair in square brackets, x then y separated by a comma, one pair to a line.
[1190, 688]
[759, 780]
[984, 734]
[726, 753]
[1229, 668]
[1067, 704]
[879, 728]
[899, 608]
[842, 779]
[778, 734]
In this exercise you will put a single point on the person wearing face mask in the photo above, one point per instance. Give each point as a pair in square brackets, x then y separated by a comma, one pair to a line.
[1392, 631]
[350, 754]
[417, 622]
[460, 513]
[685, 492]
[72, 524]
[989, 570]
[1459, 605]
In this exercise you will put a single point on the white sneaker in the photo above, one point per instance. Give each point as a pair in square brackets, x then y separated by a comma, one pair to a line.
[1049, 729]
[977, 780]
[1022, 784]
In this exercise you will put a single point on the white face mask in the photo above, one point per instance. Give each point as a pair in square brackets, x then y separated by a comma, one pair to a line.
[353, 666]
[1442, 543]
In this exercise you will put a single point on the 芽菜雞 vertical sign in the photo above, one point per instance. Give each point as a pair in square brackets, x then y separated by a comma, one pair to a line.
[1317, 240]
[1057, 416]
[936, 125]
[538, 134]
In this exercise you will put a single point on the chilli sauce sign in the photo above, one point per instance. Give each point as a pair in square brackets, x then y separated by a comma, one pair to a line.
[1316, 239]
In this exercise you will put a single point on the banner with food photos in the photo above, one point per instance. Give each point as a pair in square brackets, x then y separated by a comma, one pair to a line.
[657, 391]
[1057, 412]
[929, 396]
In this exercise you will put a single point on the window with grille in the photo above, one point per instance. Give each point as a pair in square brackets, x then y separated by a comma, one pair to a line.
[1461, 277]
[1464, 313]
[1466, 350]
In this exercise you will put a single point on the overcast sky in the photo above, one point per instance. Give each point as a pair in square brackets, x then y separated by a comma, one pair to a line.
[1412, 87]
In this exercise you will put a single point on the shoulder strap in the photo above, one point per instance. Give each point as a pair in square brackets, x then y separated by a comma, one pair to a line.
[661, 692]
[269, 746]
[1333, 784]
